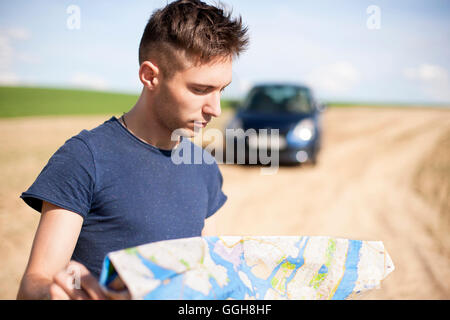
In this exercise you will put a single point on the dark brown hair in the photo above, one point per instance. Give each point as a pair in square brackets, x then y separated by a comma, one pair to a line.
[198, 31]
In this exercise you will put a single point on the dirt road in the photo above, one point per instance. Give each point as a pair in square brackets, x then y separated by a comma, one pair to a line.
[360, 189]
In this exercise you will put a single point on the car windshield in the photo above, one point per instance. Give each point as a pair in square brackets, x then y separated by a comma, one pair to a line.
[272, 99]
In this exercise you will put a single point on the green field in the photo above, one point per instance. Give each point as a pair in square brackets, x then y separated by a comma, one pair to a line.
[29, 101]
[34, 101]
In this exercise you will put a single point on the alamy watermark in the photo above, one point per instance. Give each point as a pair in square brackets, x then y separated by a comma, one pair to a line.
[74, 279]
[250, 146]
[73, 21]
[374, 20]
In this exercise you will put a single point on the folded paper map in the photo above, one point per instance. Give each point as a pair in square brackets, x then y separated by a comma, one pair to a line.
[247, 267]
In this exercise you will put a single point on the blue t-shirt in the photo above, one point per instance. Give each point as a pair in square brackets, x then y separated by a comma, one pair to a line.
[127, 191]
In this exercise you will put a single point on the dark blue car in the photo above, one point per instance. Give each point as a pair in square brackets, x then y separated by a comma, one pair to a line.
[290, 108]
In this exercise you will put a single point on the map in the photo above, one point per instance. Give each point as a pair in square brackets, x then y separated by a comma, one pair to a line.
[247, 267]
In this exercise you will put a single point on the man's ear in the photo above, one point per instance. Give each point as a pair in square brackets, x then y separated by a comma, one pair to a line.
[149, 74]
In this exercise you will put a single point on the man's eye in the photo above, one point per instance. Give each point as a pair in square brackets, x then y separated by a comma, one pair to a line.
[205, 90]
[200, 91]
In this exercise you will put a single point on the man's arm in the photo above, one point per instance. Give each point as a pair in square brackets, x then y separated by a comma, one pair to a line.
[48, 273]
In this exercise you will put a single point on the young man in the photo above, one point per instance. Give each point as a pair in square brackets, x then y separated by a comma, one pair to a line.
[116, 185]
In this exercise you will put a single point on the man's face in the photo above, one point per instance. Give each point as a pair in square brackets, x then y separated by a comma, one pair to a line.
[191, 97]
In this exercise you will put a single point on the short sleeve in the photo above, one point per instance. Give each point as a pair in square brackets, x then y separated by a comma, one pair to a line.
[216, 196]
[66, 181]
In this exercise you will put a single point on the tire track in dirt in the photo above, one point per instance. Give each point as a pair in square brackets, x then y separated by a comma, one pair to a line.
[361, 189]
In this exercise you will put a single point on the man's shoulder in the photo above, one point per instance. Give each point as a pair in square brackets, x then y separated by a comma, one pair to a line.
[85, 144]
[96, 135]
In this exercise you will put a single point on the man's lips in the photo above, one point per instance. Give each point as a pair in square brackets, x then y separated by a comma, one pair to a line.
[201, 123]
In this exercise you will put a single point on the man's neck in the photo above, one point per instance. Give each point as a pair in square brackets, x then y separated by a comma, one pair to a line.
[144, 125]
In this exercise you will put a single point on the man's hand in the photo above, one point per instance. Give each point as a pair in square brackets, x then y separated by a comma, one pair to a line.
[50, 274]
[75, 283]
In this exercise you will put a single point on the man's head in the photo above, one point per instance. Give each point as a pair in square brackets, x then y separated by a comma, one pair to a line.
[185, 57]
[193, 32]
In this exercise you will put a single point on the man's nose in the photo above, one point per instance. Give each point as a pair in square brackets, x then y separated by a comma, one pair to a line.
[212, 106]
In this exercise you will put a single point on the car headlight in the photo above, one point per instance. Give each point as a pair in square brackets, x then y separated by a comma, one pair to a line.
[304, 130]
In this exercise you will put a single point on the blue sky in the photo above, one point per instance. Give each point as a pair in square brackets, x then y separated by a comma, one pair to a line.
[327, 45]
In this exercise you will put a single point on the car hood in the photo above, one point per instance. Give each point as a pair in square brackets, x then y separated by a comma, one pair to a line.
[282, 121]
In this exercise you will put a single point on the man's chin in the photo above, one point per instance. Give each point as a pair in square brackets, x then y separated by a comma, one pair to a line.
[186, 132]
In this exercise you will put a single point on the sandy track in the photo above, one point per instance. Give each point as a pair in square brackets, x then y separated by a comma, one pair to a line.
[361, 189]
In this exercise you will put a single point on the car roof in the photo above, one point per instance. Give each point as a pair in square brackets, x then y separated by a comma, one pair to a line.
[280, 84]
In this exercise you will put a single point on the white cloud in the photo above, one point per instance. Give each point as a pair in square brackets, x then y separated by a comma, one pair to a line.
[426, 72]
[28, 58]
[7, 52]
[8, 79]
[86, 80]
[434, 80]
[17, 33]
[8, 55]
[339, 77]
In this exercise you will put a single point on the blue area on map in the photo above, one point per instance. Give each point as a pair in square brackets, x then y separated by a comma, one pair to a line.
[235, 287]
[108, 273]
[323, 269]
[158, 272]
[351, 271]
[104, 275]
[297, 261]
